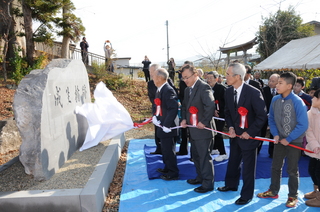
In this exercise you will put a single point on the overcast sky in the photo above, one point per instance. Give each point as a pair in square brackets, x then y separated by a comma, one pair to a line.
[196, 27]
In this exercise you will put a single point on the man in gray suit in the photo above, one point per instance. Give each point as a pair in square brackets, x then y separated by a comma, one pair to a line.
[197, 109]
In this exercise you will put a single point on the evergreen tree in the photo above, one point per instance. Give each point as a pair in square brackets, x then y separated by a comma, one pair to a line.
[71, 27]
[45, 12]
[279, 29]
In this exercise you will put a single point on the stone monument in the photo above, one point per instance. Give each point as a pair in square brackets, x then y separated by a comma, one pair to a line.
[44, 105]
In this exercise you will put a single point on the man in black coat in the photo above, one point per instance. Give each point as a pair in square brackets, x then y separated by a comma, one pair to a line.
[84, 50]
[256, 77]
[218, 93]
[256, 84]
[146, 63]
[164, 119]
[248, 80]
[245, 115]
[183, 149]
[269, 92]
[152, 89]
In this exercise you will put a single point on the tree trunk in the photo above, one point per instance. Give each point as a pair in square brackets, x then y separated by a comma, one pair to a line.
[65, 47]
[7, 21]
[27, 15]
[66, 39]
[4, 53]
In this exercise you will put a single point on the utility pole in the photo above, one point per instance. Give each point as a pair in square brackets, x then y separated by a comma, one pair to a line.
[167, 41]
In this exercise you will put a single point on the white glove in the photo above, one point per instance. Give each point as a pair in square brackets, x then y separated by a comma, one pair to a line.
[166, 130]
[155, 121]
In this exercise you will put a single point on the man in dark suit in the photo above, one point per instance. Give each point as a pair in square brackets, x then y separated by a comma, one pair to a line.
[269, 92]
[218, 93]
[197, 110]
[245, 115]
[152, 89]
[183, 149]
[164, 120]
[256, 84]
[248, 80]
[256, 77]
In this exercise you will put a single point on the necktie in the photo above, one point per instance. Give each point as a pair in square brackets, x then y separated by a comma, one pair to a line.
[158, 94]
[273, 92]
[235, 99]
[190, 91]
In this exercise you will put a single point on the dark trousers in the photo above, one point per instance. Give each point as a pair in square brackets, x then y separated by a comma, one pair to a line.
[146, 74]
[218, 139]
[203, 161]
[292, 155]
[171, 75]
[157, 140]
[248, 158]
[314, 170]
[168, 148]
[183, 149]
[271, 144]
[85, 58]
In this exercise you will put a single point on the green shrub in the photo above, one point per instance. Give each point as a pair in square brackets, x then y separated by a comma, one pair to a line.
[98, 69]
[20, 66]
[115, 81]
[308, 75]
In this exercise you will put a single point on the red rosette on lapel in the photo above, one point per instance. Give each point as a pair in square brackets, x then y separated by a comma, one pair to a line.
[243, 119]
[157, 101]
[194, 117]
[217, 104]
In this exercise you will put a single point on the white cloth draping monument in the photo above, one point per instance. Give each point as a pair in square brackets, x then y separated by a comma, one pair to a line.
[106, 117]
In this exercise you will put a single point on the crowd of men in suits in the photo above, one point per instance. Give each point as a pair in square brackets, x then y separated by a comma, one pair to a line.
[206, 103]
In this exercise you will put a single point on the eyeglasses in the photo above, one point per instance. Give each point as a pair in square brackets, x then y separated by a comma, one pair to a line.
[233, 75]
[186, 78]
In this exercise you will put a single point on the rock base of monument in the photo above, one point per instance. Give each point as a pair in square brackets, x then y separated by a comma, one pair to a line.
[10, 139]
[90, 198]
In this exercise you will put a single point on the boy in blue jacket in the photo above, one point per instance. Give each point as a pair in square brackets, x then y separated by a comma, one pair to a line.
[288, 123]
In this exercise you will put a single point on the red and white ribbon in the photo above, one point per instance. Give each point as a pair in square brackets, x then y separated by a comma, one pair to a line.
[255, 138]
[217, 104]
[243, 120]
[194, 117]
[157, 101]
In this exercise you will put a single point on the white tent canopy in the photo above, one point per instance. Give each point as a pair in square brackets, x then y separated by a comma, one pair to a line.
[301, 54]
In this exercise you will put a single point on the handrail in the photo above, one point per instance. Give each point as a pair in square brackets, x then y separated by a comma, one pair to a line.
[74, 53]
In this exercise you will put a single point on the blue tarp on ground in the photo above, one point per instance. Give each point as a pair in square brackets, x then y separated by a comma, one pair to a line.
[187, 169]
[141, 194]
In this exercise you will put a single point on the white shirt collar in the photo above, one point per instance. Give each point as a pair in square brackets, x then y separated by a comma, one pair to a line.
[194, 83]
[159, 89]
[239, 89]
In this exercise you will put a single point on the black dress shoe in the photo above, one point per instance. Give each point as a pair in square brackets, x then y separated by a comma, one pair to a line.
[168, 178]
[155, 153]
[241, 201]
[181, 153]
[162, 171]
[226, 188]
[202, 189]
[193, 181]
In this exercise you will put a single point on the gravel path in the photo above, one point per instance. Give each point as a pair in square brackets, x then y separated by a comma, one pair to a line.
[74, 173]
